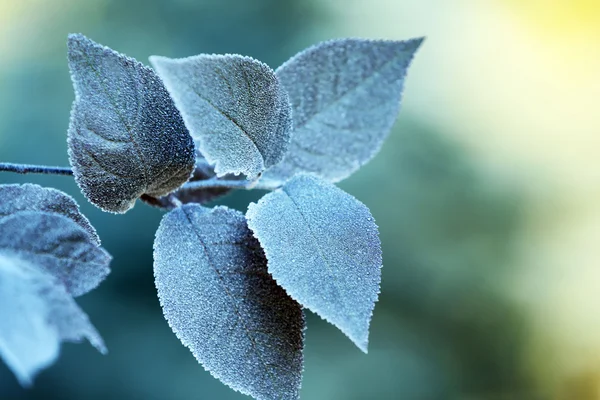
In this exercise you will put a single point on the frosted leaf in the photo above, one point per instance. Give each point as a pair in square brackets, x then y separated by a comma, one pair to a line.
[59, 245]
[345, 97]
[126, 138]
[234, 107]
[219, 299]
[37, 314]
[203, 171]
[30, 197]
[323, 249]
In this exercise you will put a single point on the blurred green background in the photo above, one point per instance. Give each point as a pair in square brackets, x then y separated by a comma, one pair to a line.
[487, 194]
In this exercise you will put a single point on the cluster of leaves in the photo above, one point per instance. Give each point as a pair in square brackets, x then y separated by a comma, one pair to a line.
[49, 254]
[232, 286]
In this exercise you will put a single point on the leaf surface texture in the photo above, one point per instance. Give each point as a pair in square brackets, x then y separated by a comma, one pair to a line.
[185, 195]
[345, 97]
[126, 137]
[323, 248]
[234, 107]
[37, 315]
[219, 299]
[30, 197]
[59, 246]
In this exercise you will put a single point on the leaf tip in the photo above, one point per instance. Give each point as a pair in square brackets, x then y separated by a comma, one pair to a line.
[75, 37]
[101, 347]
[78, 41]
[363, 343]
[416, 42]
[25, 379]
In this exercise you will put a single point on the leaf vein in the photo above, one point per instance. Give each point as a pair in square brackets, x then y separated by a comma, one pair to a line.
[229, 294]
[375, 73]
[231, 119]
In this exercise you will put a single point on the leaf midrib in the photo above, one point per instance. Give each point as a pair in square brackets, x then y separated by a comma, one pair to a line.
[128, 129]
[232, 120]
[375, 72]
[231, 297]
[328, 265]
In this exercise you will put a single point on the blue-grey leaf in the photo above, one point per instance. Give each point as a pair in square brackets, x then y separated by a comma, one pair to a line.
[234, 107]
[58, 245]
[345, 97]
[126, 137]
[219, 299]
[37, 314]
[185, 195]
[30, 197]
[323, 248]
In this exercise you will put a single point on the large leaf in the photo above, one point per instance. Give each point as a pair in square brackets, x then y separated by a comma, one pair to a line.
[345, 97]
[58, 245]
[234, 107]
[323, 249]
[219, 299]
[29, 197]
[37, 314]
[126, 138]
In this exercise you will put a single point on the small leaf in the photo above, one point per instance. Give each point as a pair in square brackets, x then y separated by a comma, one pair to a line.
[323, 249]
[219, 299]
[30, 197]
[184, 195]
[234, 107]
[37, 314]
[126, 138]
[345, 97]
[57, 244]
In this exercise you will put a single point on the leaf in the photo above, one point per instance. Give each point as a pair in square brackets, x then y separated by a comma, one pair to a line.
[185, 195]
[37, 314]
[30, 197]
[126, 138]
[57, 244]
[218, 298]
[234, 107]
[323, 249]
[345, 97]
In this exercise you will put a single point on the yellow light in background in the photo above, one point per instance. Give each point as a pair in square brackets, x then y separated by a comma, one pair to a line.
[518, 83]
[28, 28]
[10, 13]
[560, 19]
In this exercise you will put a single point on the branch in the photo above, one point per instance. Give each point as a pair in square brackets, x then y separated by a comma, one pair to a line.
[35, 169]
[212, 183]
[226, 184]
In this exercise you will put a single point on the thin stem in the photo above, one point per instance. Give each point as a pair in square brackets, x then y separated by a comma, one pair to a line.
[205, 184]
[35, 169]
[226, 184]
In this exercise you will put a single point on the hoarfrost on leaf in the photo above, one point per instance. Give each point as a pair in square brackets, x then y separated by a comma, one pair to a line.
[126, 137]
[323, 248]
[219, 299]
[185, 195]
[30, 197]
[58, 245]
[235, 108]
[37, 315]
[345, 97]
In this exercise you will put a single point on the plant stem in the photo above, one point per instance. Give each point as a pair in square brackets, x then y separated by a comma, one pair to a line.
[35, 169]
[226, 184]
[205, 184]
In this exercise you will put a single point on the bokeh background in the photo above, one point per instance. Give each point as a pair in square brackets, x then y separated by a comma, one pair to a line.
[487, 195]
